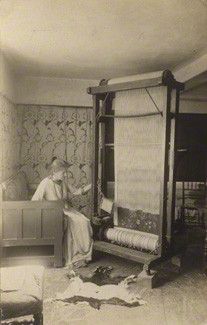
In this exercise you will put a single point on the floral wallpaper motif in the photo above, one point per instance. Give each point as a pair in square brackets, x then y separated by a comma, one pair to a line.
[10, 138]
[49, 131]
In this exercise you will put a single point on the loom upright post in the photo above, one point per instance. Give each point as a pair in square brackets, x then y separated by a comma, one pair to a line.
[103, 149]
[96, 106]
[172, 171]
[107, 108]
[164, 176]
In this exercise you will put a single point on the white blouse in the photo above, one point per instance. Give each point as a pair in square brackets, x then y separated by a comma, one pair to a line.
[50, 191]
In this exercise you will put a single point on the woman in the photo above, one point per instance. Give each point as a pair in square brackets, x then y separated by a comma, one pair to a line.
[78, 238]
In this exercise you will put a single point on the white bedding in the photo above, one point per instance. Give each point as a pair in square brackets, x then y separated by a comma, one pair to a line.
[27, 279]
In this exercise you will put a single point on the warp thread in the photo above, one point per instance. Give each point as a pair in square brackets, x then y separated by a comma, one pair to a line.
[138, 150]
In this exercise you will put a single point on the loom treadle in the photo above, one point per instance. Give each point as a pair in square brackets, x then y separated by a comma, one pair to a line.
[125, 252]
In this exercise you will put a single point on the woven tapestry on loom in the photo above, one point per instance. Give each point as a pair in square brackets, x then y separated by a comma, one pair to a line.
[138, 155]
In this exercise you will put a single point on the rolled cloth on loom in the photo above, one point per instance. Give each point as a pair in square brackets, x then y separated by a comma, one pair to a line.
[138, 149]
[133, 238]
[135, 77]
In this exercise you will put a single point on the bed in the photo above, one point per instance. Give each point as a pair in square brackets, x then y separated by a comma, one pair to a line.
[22, 293]
[26, 223]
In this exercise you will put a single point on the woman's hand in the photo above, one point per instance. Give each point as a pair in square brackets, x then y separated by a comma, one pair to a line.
[79, 191]
[66, 204]
[86, 188]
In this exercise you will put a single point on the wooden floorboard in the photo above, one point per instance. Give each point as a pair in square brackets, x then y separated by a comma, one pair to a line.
[180, 300]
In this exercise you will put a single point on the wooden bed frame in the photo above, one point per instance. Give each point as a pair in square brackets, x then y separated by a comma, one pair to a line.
[32, 223]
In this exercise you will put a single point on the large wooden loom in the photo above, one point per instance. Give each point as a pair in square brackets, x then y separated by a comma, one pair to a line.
[104, 97]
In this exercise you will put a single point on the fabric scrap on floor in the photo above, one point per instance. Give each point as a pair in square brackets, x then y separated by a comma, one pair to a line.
[95, 295]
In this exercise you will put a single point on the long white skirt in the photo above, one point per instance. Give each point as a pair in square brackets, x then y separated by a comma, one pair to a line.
[78, 238]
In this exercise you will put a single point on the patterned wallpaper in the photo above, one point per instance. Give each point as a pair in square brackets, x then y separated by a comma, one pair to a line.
[49, 131]
[10, 138]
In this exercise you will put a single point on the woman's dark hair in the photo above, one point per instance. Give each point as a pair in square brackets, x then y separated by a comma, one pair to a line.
[53, 159]
[57, 162]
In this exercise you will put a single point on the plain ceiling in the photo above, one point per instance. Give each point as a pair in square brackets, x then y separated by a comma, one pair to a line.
[96, 39]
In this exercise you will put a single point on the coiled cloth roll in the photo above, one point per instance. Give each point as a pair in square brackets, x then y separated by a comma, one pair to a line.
[133, 239]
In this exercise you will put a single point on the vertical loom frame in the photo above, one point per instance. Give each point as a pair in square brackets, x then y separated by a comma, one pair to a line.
[167, 198]
[167, 195]
[95, 156]
[172, 170]
[164, 217]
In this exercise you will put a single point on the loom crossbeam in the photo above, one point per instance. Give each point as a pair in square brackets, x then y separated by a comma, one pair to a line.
[101, 117]
[164, 78]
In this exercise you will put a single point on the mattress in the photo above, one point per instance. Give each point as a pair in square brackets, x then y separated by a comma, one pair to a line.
[21, 290]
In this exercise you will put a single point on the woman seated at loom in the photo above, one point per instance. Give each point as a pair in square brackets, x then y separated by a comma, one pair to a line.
[78, 237]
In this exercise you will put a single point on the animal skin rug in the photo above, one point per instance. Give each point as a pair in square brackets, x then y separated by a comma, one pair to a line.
[96, 295]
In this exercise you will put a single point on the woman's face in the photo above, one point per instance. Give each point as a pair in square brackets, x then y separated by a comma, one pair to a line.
[59, 176]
